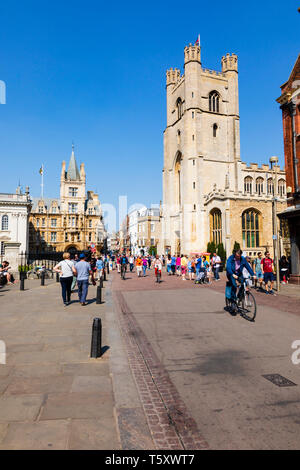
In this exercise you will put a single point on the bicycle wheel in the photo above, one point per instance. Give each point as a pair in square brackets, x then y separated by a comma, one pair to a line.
[247, 306]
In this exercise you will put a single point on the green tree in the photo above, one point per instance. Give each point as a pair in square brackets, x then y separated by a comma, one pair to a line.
[211, 248]
[222, 253]
[152, 250]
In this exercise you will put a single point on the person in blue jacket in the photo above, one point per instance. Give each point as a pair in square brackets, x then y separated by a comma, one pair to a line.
[234, 269]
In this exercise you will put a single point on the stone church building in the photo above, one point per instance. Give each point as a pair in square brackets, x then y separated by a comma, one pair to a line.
[209, 194]
[71, 223]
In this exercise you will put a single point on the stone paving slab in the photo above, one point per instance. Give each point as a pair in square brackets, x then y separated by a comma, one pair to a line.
[78, 405]
[40, 385]
[93, 434]
[45, 435]
[20, 407]
[92, 384]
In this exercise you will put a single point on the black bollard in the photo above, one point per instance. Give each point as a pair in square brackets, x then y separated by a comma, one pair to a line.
[107, 267]
[57, 277]
[104, 273]
[22, 282]
[99, 295]
[101, 282]
[96, 338]
[43, 278]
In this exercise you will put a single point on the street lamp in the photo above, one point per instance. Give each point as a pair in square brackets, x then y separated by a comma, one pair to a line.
[274, 162]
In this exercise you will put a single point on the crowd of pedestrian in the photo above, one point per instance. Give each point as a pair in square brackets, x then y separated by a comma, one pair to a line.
[197, 268]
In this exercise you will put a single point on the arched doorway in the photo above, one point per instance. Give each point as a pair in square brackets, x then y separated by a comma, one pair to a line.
[72, 249]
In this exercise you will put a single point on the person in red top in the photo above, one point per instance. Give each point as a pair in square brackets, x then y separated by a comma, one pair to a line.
[267, 267]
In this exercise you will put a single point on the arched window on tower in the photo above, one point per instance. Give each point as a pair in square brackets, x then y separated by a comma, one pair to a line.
[215, 128]
[214, 101]
[179, 108]
[4, 223]
[251, 228]
[178, 178]
[248, 185]
[270, 187]
[178, 137]
[259, 186]
[281, 188]
[215, 217]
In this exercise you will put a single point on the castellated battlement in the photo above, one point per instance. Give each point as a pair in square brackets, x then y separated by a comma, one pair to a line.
[213, 72]
[229, 62]
[264, 167]
[192, 54]
[173, 76]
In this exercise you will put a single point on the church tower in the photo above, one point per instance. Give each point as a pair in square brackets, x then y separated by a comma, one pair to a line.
[72, 187]
[201, 147]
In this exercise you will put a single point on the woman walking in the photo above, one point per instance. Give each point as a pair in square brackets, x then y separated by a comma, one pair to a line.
[178, 265]
[66, 270]
[190, 268]
[184, 262]
[145, 264]
[169, 261]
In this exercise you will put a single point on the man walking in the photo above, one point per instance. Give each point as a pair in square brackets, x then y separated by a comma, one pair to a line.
[83, 272]
[216, 263]
[100, 267]
[131, 262]
[267, 265]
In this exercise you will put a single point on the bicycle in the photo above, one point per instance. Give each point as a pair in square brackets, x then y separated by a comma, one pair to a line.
[244, 304]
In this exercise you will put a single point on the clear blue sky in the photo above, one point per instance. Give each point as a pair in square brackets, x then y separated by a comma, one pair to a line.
[94, 73]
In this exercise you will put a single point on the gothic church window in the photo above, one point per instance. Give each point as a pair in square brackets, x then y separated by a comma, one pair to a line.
[248, 185]
[178, 178]
[215, 226]
[215, 128]
[259, 186]
[179, 108]
[281, 188]
[270, 186]
[251, 228]
[214, 102]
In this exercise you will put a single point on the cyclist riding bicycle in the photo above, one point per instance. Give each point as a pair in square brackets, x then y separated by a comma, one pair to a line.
[234, 269]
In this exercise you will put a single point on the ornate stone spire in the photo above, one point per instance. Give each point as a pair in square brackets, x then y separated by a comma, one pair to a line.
[73, 173]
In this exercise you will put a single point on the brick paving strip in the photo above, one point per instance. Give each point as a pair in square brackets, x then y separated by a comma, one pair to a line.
[169, 421]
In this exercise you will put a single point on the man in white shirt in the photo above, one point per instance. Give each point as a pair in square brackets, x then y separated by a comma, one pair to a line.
[157, 267]
[216, 263]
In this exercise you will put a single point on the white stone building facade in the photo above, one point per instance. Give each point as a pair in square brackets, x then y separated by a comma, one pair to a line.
[14, 228]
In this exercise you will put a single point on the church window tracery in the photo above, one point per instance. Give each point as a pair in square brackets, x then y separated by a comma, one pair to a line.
[248, 184]
[214, 101]
[215, 226]
[251, 228]
[179, 108]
